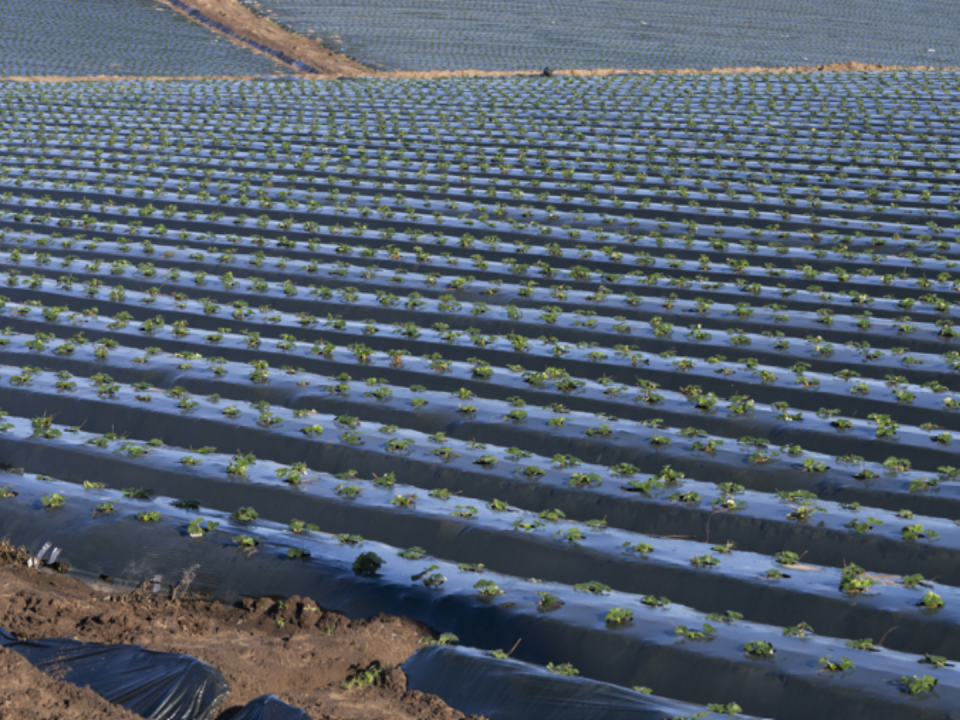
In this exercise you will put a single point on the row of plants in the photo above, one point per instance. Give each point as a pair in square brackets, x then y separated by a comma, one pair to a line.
[572, 623]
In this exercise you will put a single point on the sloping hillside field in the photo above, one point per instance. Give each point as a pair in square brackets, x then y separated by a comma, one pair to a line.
[656, 375]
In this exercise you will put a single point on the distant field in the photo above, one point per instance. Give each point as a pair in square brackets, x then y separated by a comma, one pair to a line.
[501, 35]
[115, 37]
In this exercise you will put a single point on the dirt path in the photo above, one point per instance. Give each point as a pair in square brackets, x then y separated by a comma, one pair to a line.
[243, 22]
[294, 649]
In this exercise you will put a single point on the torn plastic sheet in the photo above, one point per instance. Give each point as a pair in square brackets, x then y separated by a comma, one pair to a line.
[155, 685]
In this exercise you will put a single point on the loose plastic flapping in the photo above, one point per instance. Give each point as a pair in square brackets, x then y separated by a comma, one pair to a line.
[476, 683]
[157, 686]
[269, 707]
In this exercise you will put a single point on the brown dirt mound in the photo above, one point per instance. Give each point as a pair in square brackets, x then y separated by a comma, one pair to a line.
[293, 649]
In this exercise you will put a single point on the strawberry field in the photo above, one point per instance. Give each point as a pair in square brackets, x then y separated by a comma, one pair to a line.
[116, 38]
[657, 374]
[702, 34]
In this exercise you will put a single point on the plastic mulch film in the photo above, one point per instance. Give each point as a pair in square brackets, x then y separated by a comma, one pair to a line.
[159, 686]
[475, 682]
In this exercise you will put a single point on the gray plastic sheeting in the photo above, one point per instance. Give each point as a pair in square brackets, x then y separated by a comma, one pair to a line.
[474, 682]
[159, 686]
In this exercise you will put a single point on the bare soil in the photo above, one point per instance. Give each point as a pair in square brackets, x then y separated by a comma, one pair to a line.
[295, 649]
[243, 22]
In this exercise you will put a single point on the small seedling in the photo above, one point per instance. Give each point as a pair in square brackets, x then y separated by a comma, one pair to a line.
[931, 601]
[430, 578]
[246, 542]
[564, 669]
[487, 588]
[299, 527]
[759, 648]
[918, 685]
[935, 660]
[619, 616]
[654, 601]
[548, 601]
[367, 563]
[731, 709]
[137, 493]
[854, 581]
[691, 634]
[843, 665]
[800, 630]
[414, 553]
[152, 516]
[445, 639]
[195, 528]
[704, 561]
[785, 557]
[244, 514]
[593, 587]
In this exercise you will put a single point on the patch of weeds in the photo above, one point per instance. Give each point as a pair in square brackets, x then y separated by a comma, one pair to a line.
[364, 678]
